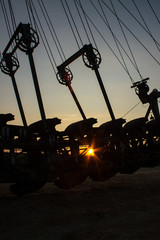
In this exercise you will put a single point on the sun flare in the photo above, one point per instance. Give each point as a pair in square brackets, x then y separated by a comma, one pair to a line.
[90, 152]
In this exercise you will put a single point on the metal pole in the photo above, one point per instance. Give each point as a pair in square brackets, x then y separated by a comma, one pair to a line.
[104, 94]
[36, 85]
[76, 100]
[18, 100]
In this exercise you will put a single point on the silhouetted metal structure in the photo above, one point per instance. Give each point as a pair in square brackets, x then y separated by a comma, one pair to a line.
[9, 65]
[32, 155]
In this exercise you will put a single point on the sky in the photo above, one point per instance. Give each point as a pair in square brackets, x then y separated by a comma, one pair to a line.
[57, 99]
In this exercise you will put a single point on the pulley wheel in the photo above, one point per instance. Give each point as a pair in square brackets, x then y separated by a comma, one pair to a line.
[92, 59]
[9, 65]
[27, 38]
[65, 76]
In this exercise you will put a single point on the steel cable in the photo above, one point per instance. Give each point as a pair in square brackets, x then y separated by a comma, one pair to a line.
[44, 35]
[132, 33]
[88, 25]
[147, 30]
[125, 37]
[70, 24]
[51, 29]
[153, 11]
[74, 23]
[115, 39]
[104, 40]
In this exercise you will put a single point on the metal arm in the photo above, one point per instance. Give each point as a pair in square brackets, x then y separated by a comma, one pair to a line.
[92, 59]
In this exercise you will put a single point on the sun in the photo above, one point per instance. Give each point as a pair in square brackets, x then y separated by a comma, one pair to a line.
[90, 152]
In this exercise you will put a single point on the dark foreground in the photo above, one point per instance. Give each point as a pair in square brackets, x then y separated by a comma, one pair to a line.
[124, 207]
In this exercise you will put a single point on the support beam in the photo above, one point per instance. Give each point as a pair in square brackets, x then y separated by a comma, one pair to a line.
[72, 58]
[37, 89]
[76, 101]
[12, 40]
[104, 94]
[18, 100]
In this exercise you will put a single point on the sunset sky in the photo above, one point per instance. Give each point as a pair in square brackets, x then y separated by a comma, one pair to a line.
[57, 99]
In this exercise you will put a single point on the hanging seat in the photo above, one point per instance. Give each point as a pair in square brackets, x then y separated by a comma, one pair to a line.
[80, 128]
[111, 127]
[4, 118]
[38, 127]
[137, 124]
[8, 131]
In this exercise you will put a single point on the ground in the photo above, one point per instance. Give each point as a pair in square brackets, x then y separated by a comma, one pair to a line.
[126, 207]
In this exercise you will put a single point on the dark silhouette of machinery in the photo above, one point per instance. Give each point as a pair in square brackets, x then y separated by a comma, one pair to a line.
[32, 155]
